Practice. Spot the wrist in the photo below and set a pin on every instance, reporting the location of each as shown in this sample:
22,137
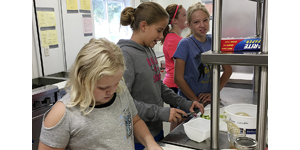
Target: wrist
149,141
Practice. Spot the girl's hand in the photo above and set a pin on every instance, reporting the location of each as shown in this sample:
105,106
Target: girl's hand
204,97
196,104
175,115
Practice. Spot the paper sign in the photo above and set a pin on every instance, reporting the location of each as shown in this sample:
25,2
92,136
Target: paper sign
46,19
49,37
72,5
87,25
85,4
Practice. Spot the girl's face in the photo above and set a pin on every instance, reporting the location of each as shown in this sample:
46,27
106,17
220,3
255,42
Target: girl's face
199,25
106,87
154,32
182,18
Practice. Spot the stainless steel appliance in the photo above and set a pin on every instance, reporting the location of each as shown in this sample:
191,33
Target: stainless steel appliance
44,96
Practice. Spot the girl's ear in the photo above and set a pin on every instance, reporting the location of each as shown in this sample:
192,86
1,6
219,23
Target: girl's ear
143,25
174,20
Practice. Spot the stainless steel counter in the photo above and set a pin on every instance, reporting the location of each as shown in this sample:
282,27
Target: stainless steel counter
230,94
178,137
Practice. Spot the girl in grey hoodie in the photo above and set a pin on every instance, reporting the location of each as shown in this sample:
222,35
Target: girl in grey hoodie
142,75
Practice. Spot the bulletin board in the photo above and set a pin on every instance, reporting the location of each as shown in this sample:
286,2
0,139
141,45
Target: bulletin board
63,28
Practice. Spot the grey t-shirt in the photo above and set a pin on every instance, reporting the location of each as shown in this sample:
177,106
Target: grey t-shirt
109,127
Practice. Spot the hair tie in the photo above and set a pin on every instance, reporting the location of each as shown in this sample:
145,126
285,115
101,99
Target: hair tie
175,13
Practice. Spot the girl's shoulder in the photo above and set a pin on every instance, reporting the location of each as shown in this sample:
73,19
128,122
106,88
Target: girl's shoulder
185,40
55,115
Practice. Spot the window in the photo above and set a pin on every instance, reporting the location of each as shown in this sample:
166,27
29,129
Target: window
107,19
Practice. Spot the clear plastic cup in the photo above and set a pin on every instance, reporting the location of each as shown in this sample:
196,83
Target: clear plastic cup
234,133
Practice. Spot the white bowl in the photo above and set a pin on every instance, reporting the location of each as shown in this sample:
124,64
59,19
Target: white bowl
222,123
248,123
197,129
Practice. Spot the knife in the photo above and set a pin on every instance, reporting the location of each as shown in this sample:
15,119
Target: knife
196,111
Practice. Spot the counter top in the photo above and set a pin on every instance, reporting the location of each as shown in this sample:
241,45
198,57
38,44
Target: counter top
230,94
61,85
178,137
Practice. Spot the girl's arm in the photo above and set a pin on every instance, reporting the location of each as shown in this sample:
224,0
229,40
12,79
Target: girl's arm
42,146
179,79
227,71
143,135
55,115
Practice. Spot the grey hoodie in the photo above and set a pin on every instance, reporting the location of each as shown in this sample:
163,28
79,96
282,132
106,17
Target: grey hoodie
143,80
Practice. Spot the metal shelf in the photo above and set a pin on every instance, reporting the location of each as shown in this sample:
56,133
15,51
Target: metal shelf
252,59
244,58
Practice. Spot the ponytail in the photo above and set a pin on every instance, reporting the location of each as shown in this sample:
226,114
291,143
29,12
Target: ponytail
150,12
127,17
166,31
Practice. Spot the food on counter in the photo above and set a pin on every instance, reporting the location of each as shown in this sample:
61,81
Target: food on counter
242,114
208,117
205,116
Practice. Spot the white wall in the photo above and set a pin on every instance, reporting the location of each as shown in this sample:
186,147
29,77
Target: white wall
74,38
35,63
71,39
55,61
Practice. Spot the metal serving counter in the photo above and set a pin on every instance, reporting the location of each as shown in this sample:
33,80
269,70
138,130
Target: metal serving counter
178,137
231,94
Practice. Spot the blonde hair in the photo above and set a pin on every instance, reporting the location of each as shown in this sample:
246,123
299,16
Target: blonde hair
192,9
96,59
150,12
171,11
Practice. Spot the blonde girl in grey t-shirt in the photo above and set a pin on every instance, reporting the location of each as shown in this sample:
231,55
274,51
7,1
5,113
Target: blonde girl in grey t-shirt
98,111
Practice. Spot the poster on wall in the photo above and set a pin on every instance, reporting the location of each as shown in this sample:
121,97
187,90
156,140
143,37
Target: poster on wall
47,25
85,6
46,17
49,38
87,25
72,6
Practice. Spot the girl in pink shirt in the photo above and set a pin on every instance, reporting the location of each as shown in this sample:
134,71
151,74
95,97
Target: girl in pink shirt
177,20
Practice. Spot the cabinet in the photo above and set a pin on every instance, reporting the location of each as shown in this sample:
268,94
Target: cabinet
260,59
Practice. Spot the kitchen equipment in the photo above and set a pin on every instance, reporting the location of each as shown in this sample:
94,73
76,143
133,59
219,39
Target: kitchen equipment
234,134
63,74
44,96
246,123
245,143
197,129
